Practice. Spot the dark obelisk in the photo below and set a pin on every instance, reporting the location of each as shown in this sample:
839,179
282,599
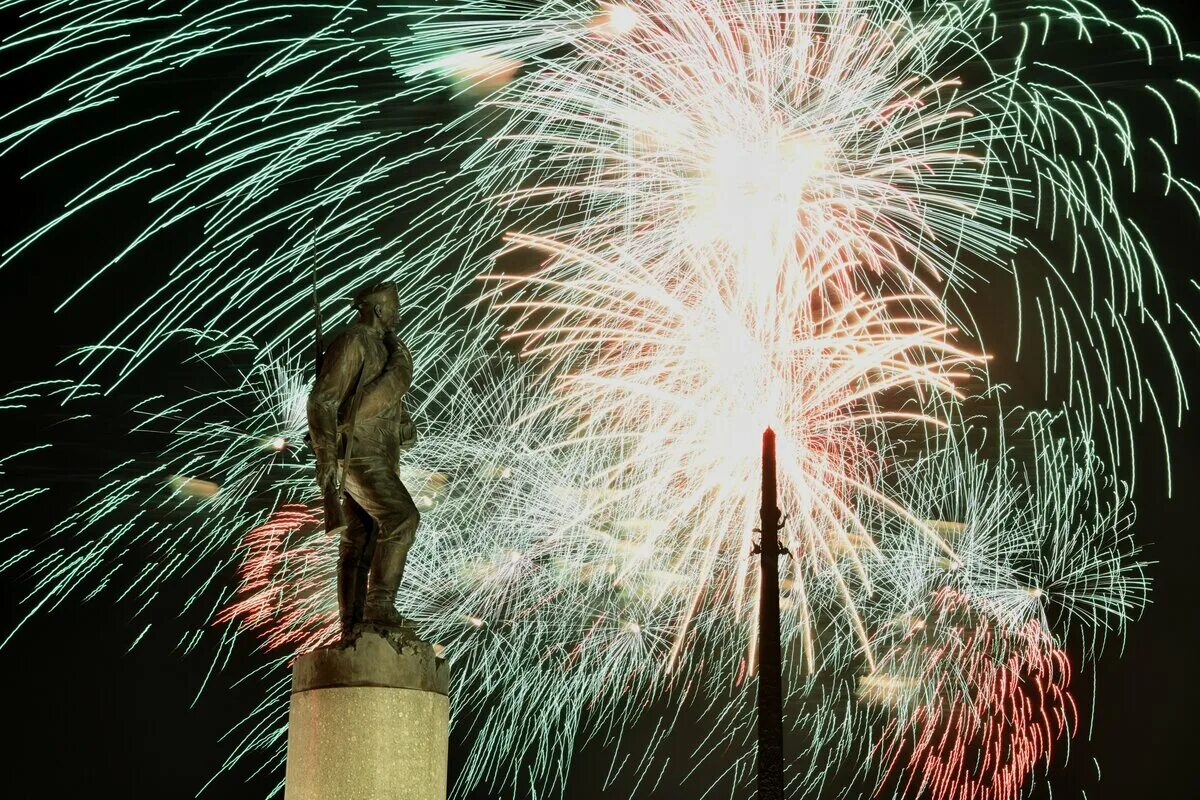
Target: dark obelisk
770,666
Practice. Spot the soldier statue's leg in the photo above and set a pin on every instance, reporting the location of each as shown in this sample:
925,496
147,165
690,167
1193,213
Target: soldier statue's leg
364,567
355,553
380,492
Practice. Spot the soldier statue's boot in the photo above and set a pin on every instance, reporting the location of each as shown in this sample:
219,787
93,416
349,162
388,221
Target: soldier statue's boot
360,583
387,569
349,588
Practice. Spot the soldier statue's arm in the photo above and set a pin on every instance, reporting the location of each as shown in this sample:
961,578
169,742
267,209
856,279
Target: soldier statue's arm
339,377
392,383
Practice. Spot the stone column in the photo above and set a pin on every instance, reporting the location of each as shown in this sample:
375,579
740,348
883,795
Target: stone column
369,720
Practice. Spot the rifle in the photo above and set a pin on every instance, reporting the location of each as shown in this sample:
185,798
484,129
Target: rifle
333,504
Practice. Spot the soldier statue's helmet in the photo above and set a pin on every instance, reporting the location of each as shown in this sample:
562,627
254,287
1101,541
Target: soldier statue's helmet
376,293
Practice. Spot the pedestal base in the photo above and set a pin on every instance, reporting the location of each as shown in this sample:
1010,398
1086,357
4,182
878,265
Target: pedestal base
369,720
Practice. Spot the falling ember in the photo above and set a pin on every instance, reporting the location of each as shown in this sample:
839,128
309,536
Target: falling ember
946,528
882,689
477,72
194,487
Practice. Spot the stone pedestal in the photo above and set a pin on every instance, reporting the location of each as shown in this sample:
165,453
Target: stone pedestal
369,720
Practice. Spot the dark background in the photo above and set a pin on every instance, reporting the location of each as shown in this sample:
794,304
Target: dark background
87,716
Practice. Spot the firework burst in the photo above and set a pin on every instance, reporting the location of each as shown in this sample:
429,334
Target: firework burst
979,739
690,220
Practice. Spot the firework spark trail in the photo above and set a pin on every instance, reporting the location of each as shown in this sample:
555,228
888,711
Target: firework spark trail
877,134
979,742
852,120
742,212
1035,534
1024,524
589,612
260,605
246,434
670,377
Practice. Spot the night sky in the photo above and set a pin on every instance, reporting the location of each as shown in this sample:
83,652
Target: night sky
87,716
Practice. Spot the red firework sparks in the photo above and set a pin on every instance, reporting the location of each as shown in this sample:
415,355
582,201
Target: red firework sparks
991,719
296,612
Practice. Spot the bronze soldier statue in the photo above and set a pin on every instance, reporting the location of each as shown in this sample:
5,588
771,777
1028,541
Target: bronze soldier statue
358,426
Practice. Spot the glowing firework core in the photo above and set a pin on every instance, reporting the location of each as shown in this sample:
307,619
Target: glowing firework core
616,19
753,188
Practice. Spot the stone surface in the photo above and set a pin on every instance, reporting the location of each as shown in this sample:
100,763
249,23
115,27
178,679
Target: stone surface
369,720
391,657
